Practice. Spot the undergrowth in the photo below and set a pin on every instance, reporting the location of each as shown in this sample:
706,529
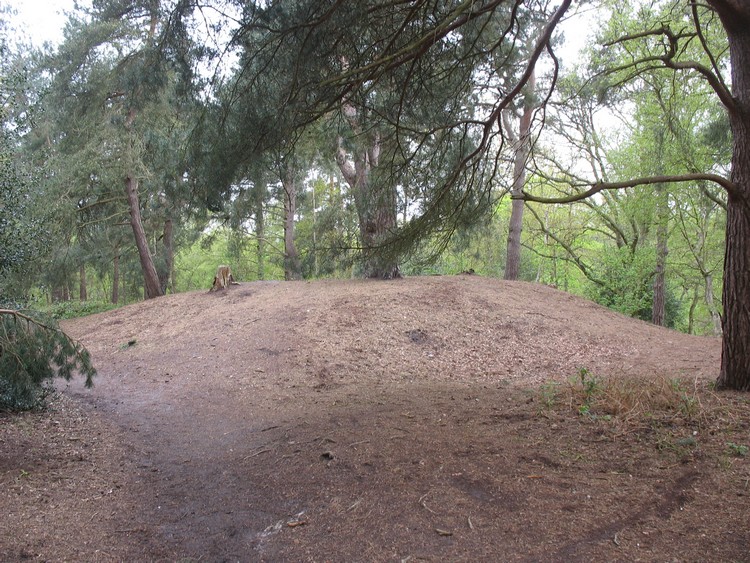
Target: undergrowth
680,417
74,309
626,398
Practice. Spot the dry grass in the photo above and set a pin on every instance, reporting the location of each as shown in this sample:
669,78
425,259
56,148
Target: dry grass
632,399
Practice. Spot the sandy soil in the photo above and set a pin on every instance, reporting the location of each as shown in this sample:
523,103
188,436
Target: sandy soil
424,419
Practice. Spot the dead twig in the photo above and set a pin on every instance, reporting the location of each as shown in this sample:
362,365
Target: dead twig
423,504
254,454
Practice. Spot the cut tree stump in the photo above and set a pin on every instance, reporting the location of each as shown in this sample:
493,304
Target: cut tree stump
223,279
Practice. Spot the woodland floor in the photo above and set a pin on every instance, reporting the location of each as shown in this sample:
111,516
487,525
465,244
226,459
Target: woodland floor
424,419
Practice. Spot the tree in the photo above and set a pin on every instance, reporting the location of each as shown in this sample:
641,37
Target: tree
32,350
117,129
522,143
400,88
735,357
667,54
382,58
531,22
290,186
23,232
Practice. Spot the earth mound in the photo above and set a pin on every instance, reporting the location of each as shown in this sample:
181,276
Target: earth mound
417,419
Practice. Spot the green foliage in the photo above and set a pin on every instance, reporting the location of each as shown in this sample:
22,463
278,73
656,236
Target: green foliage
199,160
74,309
549,394
738,450
687,402
22,234
589,388
628,284
33,351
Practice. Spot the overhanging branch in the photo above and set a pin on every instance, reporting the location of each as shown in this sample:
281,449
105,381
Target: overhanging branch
729,186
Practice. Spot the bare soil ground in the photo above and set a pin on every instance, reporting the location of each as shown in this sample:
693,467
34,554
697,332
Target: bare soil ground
425,419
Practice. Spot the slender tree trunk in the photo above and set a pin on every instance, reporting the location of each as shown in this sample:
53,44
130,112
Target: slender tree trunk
167,262
260,228
150,277
116,278
658,308
316,266
82,289
522,142
735,354
709,297
124,288
292,266
691,312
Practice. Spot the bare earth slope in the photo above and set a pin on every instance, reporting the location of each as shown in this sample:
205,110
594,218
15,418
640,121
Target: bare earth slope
373,421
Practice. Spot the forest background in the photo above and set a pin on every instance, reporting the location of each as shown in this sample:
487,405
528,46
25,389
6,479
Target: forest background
158,140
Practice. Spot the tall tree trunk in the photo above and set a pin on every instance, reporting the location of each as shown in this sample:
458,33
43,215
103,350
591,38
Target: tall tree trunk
150,277
376,209
658,308
316,266
513,249
61,293
292,266
260,228
375,201
377,220
709,293
167,261
116,278
82,289
735,353
522,142
691,312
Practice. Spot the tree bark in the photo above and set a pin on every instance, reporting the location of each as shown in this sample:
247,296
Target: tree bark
165,272
260,227
735,354
292,266
691,312
658,307
709,295
150,276
375,201
82,289
116,279
522,142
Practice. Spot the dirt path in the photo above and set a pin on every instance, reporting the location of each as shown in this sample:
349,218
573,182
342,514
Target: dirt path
374,421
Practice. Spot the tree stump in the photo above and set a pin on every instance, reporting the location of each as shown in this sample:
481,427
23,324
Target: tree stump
223,279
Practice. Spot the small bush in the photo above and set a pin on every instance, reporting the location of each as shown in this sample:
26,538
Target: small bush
738,450
33,351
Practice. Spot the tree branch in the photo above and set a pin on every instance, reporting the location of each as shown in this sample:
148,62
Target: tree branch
729,186
714,79
575,259
704,44
28,319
